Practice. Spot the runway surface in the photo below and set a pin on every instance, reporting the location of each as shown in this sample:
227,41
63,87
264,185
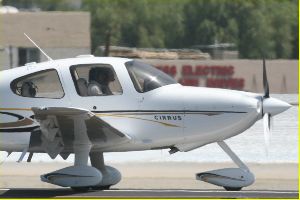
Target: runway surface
126,193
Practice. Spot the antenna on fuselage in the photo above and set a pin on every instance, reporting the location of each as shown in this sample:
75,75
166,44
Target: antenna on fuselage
48,57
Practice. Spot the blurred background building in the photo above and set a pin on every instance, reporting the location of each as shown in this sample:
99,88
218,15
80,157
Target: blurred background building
59,34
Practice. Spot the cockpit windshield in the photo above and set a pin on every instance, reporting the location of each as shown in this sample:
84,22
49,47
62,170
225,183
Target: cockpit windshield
146,78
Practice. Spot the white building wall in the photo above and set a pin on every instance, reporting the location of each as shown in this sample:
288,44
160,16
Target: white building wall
54,53
60,53
5,60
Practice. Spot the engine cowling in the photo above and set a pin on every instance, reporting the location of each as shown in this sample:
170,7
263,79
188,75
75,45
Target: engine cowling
227,177
74,176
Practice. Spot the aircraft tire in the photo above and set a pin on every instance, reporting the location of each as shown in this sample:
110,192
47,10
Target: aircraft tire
80,189
233,188
104,187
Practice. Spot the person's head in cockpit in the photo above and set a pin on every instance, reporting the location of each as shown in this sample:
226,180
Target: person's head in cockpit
103,76
99,79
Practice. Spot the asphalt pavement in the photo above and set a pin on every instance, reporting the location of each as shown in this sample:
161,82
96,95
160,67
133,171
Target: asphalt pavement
136,193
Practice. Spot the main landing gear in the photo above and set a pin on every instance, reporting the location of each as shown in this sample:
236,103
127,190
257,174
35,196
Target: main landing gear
82,177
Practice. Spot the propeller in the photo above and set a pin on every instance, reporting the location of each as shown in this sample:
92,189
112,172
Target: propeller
266,116
270,108
267,131
265,80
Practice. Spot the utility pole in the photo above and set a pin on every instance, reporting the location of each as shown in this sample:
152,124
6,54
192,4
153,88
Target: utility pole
10,56
107,42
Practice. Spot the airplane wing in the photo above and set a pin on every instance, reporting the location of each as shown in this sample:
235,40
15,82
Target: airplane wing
63,129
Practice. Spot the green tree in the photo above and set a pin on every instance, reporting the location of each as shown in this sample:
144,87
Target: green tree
209,21
254,31
257,27
139,23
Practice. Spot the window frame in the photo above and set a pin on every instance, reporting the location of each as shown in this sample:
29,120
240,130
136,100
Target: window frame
72,70
14,83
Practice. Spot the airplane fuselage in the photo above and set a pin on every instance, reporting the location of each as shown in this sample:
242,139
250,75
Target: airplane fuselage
169,116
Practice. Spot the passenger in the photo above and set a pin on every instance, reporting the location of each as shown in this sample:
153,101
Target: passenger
82,87
99,79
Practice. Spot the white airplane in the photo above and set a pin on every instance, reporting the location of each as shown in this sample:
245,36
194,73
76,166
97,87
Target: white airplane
89,105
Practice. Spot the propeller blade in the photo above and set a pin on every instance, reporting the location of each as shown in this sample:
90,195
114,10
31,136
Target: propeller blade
267,131
265,80
271,126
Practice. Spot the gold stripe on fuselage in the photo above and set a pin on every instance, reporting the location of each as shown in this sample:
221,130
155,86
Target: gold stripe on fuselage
20,123
166,113
132,117
23,109
123,115
133,114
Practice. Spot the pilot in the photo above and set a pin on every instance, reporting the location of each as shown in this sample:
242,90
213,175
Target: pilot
28,89
99,79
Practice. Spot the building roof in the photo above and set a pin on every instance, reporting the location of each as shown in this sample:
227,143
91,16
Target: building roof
154,53
47,29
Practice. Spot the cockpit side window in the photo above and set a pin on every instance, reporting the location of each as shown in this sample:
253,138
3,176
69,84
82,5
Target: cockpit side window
95,80
42,84
146,78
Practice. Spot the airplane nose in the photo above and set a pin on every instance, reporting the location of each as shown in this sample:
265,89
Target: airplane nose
274,106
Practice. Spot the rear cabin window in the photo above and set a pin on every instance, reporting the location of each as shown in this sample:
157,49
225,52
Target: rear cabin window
43,84
95,80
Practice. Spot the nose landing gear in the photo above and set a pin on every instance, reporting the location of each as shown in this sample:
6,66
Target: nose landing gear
231,179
